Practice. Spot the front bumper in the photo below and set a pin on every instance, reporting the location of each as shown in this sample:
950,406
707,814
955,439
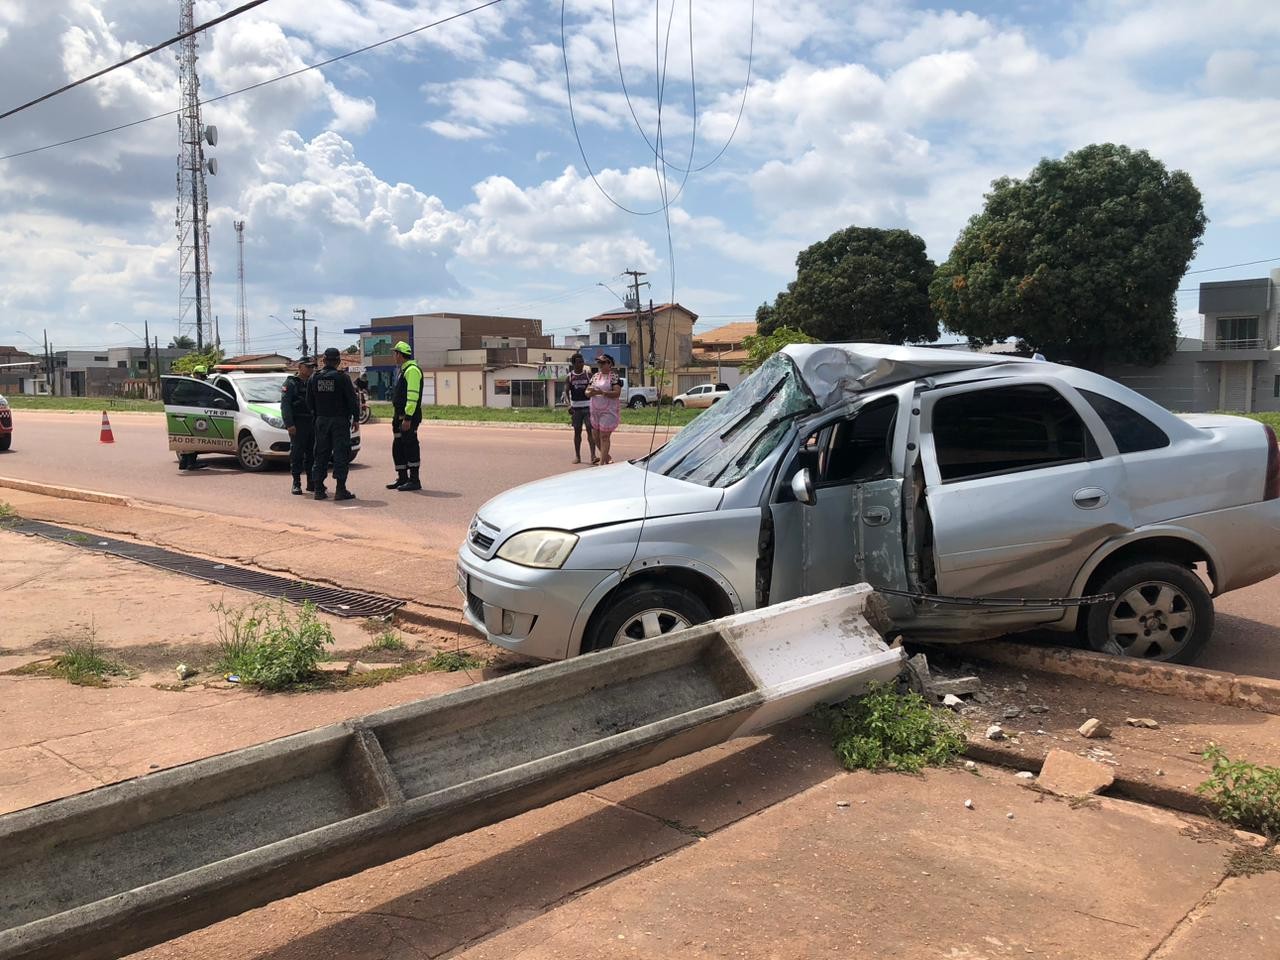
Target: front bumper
531,612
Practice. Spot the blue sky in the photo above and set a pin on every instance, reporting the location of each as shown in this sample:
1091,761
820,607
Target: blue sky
441,172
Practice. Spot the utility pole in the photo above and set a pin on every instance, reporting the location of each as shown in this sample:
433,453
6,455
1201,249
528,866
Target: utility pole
48,363
300,313
315,341
159,392
242,317
146,349
633,303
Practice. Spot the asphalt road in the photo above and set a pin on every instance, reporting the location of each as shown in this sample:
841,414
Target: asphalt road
462,468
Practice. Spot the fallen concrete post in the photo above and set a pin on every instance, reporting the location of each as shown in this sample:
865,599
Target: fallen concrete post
112,871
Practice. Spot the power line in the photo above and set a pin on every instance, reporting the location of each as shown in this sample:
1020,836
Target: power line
1248,263
261,83
243,8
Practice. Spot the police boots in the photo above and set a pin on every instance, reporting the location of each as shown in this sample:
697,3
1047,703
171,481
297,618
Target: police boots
342,493
297,487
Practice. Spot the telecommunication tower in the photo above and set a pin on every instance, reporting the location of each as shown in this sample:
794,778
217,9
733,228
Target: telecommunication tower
193,201
242,318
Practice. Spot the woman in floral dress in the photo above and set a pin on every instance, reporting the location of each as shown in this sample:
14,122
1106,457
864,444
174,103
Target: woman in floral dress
605,391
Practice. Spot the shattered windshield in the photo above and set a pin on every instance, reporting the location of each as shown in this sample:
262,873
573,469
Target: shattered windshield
262,389
724,444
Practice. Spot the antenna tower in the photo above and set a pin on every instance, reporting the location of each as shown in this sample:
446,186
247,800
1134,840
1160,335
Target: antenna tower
193,201
242,319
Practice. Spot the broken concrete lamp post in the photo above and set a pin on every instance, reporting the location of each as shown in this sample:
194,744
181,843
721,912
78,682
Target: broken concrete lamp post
112,871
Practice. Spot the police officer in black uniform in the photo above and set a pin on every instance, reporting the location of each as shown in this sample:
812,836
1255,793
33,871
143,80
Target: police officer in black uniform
333,400
301,424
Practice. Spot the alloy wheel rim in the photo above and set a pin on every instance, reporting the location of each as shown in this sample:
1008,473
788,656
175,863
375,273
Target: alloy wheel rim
250,453
650,623
1153,620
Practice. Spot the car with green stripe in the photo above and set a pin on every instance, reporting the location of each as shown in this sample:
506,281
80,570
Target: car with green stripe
235,413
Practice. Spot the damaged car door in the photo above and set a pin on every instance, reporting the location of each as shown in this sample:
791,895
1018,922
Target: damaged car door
1022,484
837,505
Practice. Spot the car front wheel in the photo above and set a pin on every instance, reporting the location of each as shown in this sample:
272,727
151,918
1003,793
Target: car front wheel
250,454
1161,611
637,402
643,611
678,403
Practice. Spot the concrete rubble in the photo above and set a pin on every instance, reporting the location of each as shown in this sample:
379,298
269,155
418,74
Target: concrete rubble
1094,729
1068,775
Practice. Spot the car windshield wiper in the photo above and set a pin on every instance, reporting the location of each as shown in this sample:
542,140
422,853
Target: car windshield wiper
742,459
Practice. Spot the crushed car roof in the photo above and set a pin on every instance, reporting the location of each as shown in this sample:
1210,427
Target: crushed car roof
830,368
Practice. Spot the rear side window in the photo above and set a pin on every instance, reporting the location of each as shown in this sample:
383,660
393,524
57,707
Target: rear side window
1005,430
1131,431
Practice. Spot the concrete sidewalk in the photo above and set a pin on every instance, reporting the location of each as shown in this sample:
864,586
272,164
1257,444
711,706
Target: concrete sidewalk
764,848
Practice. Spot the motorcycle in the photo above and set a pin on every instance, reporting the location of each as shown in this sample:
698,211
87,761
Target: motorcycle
366,414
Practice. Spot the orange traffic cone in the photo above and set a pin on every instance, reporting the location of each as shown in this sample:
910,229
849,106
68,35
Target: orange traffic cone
105,436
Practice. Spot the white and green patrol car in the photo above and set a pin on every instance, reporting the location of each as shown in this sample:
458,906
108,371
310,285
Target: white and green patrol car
235,413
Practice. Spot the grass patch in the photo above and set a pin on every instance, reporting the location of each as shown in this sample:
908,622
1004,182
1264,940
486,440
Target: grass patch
641,417
270,646
888,730
7,512
1247,794
20,402
451,661
76,538
387,640
85,664
1272,420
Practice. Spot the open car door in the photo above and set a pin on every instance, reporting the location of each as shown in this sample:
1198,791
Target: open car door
200,418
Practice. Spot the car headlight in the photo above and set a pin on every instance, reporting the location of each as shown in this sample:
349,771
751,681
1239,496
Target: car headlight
272,421
546,549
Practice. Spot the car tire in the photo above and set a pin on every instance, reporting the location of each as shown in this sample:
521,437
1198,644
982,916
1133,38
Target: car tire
250,454
678,403
637,402
643,610
1162,611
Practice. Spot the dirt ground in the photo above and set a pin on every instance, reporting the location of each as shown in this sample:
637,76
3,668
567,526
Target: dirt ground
56,596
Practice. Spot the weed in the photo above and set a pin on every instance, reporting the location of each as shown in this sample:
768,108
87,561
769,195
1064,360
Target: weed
1247,794
7,512
887,730
387,640
85,664
451,661
270,648
76,538
375,625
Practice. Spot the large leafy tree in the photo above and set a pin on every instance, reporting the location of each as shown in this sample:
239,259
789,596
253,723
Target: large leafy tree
861,283
1080,261
761,346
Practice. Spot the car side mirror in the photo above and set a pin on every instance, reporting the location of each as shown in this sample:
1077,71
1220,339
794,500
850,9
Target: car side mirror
802,487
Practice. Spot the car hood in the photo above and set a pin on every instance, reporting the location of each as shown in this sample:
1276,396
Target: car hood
594,498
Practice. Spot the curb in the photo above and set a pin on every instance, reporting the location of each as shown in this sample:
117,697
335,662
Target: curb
65,493
1130,788
1190,683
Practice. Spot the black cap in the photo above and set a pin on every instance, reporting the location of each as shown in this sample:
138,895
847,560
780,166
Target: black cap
331,353
306,361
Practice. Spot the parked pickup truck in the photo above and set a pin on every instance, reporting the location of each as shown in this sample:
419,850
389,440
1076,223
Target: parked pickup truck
980,494
638,396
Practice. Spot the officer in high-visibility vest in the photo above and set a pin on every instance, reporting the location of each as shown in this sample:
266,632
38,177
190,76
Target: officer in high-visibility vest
406,401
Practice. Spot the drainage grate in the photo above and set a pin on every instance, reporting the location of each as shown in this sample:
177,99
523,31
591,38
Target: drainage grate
342,603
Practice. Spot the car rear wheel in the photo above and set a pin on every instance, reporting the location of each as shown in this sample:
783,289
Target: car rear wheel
250,454
637,402
643,611
678,403
1161,611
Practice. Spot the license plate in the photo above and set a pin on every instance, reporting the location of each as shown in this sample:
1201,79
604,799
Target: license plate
464,583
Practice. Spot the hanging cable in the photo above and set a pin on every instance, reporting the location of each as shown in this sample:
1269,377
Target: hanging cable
261,83
230,14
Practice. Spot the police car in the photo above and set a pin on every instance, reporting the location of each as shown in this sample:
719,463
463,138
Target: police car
235,412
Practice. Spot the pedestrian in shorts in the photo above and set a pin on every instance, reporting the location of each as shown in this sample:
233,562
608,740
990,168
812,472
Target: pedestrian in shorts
575,392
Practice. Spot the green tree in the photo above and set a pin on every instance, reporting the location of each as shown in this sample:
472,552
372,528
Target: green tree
206,359
761,346
182,342
353,348
861,283
1080,261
